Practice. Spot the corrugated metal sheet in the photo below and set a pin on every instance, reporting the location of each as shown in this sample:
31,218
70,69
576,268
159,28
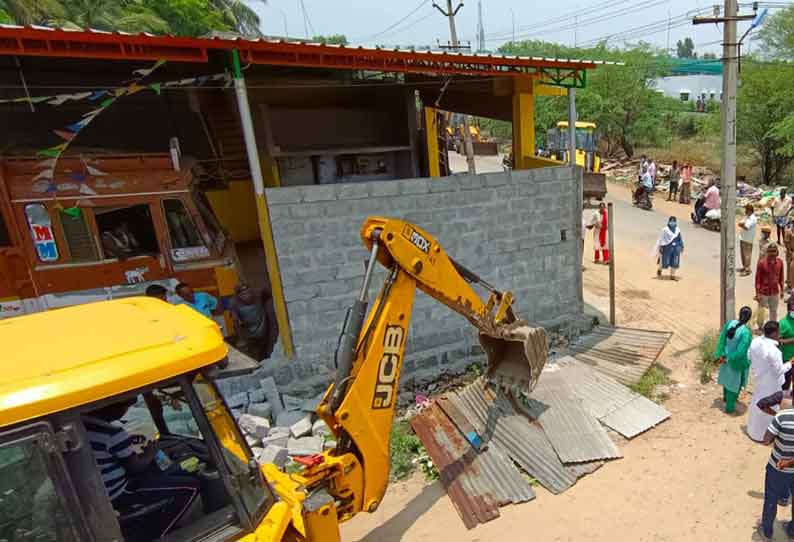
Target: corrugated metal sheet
625,354
575,434
477,483
612,403
497,421
222,40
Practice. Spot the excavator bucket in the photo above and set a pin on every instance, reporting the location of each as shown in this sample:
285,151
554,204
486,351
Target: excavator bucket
516,354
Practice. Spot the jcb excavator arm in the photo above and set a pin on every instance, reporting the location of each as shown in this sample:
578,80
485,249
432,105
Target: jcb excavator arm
359,406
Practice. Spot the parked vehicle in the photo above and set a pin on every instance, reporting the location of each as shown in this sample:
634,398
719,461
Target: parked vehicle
106,227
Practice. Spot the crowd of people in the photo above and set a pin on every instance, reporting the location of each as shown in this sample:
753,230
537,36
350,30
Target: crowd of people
256,329
680,179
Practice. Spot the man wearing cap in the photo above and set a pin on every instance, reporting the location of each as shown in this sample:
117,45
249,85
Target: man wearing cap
765,240
768,285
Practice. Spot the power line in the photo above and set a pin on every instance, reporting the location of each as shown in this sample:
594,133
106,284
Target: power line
597,19
392,26
566,17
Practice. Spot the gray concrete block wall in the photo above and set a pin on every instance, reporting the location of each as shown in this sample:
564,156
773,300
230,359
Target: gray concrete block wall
507,227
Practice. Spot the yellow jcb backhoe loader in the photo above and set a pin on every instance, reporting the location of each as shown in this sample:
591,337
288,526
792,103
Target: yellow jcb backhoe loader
71,375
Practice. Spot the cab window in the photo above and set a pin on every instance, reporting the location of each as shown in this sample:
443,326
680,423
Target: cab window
186,241
126,232
36,499
254,492
41,232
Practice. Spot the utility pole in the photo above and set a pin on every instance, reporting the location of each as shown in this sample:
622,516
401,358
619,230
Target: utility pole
575,30
730,57
480,29
453,35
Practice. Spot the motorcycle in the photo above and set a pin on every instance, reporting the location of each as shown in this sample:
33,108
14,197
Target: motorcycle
712,220
643,199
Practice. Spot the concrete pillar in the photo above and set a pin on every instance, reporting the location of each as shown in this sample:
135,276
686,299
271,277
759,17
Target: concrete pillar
523,123
431,134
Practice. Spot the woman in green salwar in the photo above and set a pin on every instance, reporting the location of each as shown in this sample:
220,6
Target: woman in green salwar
732,352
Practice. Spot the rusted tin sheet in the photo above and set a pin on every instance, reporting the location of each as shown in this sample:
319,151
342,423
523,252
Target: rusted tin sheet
624,354
477,483
612,403
576,435
503,476
497,421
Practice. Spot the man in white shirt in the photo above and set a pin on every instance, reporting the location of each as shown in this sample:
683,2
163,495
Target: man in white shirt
766,363
747,237
652,170
781,206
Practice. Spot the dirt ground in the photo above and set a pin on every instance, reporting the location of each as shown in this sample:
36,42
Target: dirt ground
696,477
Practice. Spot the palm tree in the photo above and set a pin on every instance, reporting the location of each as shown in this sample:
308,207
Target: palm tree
27,12
239,15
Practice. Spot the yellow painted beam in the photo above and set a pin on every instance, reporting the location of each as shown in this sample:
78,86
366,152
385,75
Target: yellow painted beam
270,172
523,123
431,134
549,90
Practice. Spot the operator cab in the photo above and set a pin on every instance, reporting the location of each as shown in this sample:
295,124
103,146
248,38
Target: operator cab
111,428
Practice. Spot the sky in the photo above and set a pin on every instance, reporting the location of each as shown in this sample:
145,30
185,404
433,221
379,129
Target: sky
415,22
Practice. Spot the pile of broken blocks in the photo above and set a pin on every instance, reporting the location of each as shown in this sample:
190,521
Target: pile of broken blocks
278,426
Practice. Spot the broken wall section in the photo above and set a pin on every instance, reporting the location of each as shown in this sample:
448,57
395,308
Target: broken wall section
519,230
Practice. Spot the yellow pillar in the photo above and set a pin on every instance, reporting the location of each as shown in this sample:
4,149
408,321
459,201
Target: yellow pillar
523,123
431,133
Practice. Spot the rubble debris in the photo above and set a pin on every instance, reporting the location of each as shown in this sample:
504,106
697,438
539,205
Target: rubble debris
305,446
277,455
254,425
320,429
302,427
329,445
236,413
262,410
253,442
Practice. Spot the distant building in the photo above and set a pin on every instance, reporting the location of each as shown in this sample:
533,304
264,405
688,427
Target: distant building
688,88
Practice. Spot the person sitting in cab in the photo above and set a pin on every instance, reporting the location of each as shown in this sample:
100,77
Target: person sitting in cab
134,480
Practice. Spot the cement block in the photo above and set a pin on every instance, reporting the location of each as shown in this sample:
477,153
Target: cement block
291,402
302,427
320,429
387,188
253,441
329,445
289,417
277,455
272,395
257,450
262,410
256,395
254,425
238,400
237,412
275,440
310,405
305,446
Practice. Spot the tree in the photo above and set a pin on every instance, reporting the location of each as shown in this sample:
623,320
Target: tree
182,17
764,117
27,12
333,39
686,48
777,35
709,56
188,17
620,99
